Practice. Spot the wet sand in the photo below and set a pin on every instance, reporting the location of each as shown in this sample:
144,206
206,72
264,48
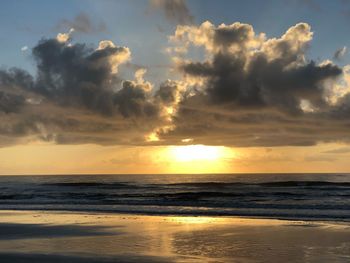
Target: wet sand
38,236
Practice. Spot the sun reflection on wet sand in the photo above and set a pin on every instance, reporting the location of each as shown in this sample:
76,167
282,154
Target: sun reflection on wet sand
170,238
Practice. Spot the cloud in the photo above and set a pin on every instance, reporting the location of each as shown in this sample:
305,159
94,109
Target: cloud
319,159
339,150
246,90
64,37
134,98
78,75
246,70
174,10
340,53
250,90
10,102
81,23
24,48
78,96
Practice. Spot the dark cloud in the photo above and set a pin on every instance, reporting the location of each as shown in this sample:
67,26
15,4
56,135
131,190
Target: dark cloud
74,81
254,128
236,34
174,10
77,74
16,77
81,23
10,102
11,95
273,77
168,92
247,91
340,111
339,150
132,101
253,91
340,53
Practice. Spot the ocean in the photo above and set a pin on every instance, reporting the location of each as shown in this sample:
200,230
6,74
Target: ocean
282,196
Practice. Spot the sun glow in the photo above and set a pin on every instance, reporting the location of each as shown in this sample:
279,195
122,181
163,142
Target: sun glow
196,152
200,158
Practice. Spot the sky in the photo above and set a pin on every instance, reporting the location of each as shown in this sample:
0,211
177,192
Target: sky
174,86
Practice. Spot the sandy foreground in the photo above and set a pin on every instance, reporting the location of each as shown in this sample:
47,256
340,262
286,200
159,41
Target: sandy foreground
37,236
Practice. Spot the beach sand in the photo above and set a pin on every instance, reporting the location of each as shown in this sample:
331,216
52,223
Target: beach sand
38,236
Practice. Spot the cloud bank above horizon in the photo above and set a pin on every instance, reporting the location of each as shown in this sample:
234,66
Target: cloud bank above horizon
244,89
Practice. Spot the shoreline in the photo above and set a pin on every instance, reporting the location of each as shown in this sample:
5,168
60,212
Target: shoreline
325,219
55,236
168,215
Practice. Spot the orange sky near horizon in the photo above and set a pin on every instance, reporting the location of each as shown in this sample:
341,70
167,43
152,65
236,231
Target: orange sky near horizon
45,158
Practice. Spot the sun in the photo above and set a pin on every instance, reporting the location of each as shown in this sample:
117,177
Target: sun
199,158
197,152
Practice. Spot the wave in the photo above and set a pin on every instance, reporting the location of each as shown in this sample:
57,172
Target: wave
266,184
313,196
89,184
304,183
